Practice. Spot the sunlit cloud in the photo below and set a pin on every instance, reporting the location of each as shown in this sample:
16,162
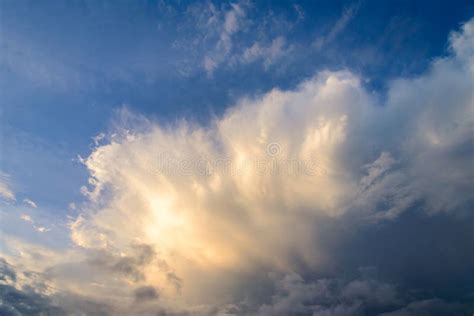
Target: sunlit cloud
234,216
223,225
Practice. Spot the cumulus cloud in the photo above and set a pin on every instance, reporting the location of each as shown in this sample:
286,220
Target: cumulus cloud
374,160
206,216
166,187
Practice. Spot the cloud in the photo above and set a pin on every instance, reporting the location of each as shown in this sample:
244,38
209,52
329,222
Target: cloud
330,297
42,229
7,273
161,185
235,216
146,293
431,307
234,35
5,188
347,15
27,218
230,24
268,53
30,203
210,199
364,295
128,266
30,298
16,302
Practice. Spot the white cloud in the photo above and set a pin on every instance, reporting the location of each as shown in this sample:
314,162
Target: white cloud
30,203
268,53
26,218
230,24
228,36
40,229
5,188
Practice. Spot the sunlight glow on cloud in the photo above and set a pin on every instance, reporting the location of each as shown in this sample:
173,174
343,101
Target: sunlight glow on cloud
372,160
187,217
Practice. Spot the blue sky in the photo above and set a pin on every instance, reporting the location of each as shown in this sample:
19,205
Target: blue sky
80,78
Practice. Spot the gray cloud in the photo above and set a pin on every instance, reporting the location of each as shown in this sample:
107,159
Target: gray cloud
7,273
145,293
16,302
28,294
130,266
431,307
361,296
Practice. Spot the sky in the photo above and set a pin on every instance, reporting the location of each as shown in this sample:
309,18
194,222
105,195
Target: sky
236,158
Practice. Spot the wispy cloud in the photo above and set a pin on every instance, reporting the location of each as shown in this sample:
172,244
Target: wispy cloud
230,25
339,26
30,203
268,53
231,36
6,191
27,218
